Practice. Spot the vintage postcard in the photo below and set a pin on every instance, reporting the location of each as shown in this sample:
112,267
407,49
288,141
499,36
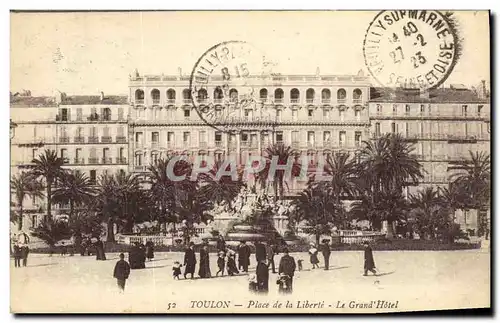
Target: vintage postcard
250,161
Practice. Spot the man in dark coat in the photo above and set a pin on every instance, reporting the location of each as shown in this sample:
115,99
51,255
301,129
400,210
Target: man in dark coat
369,262
17,255
271,250
204,271
121,272
25,250
243,256
260,252
262,277
141,258
325,250
189,261
150,250
287,267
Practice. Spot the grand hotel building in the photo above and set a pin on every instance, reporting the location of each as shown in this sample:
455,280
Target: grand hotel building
314,114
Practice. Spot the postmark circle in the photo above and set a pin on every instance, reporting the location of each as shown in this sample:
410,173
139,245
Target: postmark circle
223,84
411,49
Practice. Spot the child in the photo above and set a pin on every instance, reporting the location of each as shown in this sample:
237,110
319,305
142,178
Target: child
284,284
313,252
177,270
121,272
231,262
369,262
299,263
221,263
252,284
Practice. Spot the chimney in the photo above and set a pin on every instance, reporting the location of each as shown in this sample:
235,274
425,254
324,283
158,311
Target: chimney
180,71
483,89
102,96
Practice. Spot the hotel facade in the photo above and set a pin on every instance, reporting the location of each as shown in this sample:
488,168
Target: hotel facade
316,115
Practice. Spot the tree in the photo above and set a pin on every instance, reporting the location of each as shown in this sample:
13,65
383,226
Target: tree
52,231
49,167
75,189
218,189
316,207
387,165
430,214
474,180
120,200
282,154
21,186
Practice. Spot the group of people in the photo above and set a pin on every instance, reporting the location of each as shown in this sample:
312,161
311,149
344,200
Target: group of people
21,252
314,251
138,254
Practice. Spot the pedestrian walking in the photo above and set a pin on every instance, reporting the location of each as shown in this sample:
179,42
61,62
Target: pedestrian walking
189,261
262,272
260,252
325,250
150,250
287,268
204,271
313,253
231,262
17,255
25,250
243,256
221,263
369,262
121,272
271,251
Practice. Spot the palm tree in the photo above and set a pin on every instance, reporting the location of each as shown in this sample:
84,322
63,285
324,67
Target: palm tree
387,165
429,212
23,185
49,167
474,180
75,189
282,154
317,208
218,189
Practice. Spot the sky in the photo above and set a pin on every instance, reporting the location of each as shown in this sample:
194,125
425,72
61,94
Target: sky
85,53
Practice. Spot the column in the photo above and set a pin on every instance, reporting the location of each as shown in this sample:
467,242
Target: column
259,148
238,153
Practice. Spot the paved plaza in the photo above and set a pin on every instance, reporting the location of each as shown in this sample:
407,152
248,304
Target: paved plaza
413,279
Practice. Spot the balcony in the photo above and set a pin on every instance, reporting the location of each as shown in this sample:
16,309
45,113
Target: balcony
357,101
202,100
218,101
64,140
79,140
63,118
311,145
93,140
93,160
219,144
121,160
139,101
170,101
156,101
186,101
170,144
263,99
106,139
203,144
139,168
107,160
461,139
278,100
79,161
295,144
186,144
341,101
326,101
93,117
310,100
294,101
121,139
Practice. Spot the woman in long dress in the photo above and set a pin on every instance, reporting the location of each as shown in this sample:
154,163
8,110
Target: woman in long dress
313,252
204,271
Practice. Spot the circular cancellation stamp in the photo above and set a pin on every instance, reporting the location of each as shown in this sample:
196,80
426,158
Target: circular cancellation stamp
224,82
412,49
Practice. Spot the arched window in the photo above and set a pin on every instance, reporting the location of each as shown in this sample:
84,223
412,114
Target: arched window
278,95
171,95
310,95
155,95
218,94
186,94
233,94
139,95
294,95
356,94
263,95
341,94
202,95
326,96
